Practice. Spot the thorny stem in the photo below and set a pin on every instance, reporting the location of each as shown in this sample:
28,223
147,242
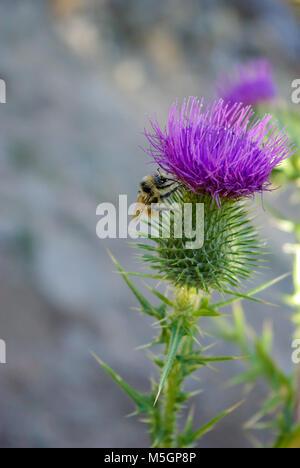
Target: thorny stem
185,302
172,392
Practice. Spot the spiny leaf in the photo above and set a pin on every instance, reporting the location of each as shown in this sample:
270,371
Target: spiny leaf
270,405
242,296
143,275
271,369
194,358
220,358
177,334
188,429
148,345
206,309
207,312
188,395
245,377
143,402
267,337
251,293
241,331
291,441
269,284
161,297
146,306
189,437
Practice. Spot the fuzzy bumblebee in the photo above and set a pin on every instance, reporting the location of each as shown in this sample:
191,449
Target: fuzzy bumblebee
154,189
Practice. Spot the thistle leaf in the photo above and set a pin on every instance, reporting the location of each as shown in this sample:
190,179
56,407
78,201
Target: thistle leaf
241,296
207,312
147,307
188,429
220,358
291,441
161,297
194,358
143,402
246,377
251,293
188,395
271,370
270,405
143,275
189,437
178,332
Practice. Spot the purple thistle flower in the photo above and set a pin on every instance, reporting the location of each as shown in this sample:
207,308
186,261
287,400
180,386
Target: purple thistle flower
251,84
218,149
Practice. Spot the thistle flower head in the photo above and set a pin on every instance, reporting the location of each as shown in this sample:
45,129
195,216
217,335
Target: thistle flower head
218,149
251,84
216,152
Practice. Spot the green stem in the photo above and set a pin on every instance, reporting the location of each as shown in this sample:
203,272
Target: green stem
172,392
184,306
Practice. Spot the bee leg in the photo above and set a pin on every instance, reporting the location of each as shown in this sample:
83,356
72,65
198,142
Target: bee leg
166,195
167,186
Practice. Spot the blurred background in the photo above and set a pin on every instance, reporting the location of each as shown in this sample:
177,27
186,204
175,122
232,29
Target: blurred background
81,77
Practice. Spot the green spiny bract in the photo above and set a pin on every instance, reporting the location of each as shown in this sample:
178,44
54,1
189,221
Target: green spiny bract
231,249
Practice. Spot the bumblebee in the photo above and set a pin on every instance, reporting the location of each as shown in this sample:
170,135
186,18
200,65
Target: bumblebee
154,189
